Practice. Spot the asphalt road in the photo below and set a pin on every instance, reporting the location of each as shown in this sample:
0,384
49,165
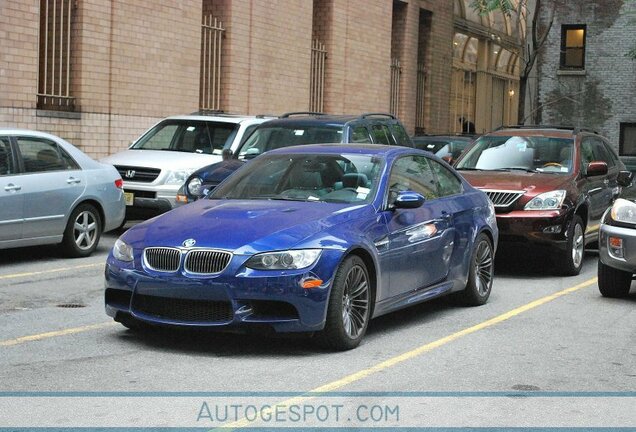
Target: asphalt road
537,333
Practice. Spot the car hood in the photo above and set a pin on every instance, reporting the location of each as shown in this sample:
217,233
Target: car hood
241,226
532,183
161,159
217,172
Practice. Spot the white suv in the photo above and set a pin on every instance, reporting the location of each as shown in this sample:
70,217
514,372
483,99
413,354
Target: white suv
159,162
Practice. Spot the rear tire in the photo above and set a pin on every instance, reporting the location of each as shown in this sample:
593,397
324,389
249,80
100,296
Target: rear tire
613,282
480,273
83,231
571,259
349,308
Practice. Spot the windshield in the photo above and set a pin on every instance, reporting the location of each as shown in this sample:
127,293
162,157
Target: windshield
267,138
188,136
528,153
346,178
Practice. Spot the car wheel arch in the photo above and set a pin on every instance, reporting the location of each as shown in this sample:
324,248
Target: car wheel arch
95,204
370,263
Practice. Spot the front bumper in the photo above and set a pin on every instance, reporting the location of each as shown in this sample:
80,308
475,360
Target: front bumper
536,227
237,297
628,237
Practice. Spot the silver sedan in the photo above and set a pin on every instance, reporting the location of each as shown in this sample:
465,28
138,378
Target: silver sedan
51,192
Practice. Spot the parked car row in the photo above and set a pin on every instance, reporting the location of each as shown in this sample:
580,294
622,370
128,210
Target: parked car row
316,223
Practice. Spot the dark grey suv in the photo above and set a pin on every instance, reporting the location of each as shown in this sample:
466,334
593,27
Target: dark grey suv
298,128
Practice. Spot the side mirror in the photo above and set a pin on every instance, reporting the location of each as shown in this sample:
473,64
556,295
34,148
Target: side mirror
448,159
408,200
625,178
596,168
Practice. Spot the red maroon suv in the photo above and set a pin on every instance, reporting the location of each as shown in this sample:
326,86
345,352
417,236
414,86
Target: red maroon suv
550,186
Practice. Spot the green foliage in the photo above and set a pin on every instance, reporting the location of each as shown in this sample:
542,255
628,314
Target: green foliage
484,7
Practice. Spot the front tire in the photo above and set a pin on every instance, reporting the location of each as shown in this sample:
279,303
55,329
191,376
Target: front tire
480,274
349,308
613,282
82,232
572,258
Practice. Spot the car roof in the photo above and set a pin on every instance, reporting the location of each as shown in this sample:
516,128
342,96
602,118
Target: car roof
30,132
540,130
373,149
326,119
224,118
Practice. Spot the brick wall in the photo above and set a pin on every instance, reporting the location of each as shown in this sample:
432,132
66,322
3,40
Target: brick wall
605,95
134,62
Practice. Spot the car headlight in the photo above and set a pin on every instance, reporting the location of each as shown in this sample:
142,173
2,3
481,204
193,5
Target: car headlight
194,186
122,251
284,260
178,177
623,211
552,200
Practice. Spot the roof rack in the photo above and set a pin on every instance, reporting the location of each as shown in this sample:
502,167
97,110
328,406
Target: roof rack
207,112
575,130
260,116
295,113
377,114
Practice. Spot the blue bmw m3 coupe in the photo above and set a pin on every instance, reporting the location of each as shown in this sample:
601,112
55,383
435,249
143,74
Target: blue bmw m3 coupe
317,238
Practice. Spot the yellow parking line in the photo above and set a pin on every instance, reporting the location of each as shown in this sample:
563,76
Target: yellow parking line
357,376
56,333
55,270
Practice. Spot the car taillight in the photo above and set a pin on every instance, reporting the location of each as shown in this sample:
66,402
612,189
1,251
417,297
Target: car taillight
119,183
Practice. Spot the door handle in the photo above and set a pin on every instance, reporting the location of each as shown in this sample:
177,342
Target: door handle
12,188
72,180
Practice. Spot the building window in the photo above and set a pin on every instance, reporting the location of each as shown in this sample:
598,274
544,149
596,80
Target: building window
54,83
627,141
573,47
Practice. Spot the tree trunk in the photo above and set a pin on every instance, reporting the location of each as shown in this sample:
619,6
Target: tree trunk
523,84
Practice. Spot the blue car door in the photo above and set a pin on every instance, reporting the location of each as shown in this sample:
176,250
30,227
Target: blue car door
420,240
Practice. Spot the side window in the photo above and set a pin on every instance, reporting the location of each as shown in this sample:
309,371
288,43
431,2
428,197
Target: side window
6,157
359,134
379,133
601,153
415,174
248,132
587,154
400,135
448,183
40,155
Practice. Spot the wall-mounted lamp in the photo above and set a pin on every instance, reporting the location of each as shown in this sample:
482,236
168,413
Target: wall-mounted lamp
511,92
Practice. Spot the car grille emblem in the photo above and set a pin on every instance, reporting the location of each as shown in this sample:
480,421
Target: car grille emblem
130,173
189,243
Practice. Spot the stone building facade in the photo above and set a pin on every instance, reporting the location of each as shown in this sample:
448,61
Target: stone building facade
100,72
585,78
127,64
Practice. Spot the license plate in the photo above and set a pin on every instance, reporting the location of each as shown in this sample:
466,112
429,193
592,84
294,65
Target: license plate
129,197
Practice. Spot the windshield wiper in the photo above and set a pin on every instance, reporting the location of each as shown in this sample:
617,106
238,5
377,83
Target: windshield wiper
516,169
468,169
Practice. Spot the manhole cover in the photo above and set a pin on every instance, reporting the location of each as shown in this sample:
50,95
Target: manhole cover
71,305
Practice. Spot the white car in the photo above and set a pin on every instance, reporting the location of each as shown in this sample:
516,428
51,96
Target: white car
157,164
51,192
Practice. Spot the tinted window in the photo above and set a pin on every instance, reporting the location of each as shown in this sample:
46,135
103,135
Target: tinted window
269,138
40,155
6,158
448,183
189,136
400,135
380,134
413,173
601,153
360,135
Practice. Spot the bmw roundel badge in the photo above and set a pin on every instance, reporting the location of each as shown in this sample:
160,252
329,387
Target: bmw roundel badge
189,242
